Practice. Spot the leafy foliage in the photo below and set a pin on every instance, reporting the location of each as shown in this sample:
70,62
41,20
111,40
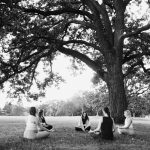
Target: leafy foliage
14,110
105,36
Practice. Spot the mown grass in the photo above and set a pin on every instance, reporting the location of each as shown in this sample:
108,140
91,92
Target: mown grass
66,138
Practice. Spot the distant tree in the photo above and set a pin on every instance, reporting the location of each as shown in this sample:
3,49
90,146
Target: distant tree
45,107
78,102
147,99
17,110
8,108
97,98
1,112
81,104
137,91
14,110
55,107
62,111
67,109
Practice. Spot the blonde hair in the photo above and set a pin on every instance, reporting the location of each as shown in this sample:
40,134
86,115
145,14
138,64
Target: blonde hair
128,112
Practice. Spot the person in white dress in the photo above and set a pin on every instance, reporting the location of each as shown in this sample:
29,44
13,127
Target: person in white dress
32,126
127,128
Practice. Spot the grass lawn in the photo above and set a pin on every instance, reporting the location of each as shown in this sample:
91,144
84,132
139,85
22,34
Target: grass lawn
66,138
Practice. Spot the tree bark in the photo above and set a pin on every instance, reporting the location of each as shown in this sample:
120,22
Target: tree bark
117,96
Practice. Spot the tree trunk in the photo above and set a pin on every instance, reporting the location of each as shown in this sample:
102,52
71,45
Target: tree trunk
117,96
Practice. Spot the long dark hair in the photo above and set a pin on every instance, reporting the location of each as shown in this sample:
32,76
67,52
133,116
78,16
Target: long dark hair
32,111
106,110
41,112
86,116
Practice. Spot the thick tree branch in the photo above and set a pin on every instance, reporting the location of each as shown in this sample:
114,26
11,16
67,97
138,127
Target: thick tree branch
107,25
82,42
135,56
20,70
62,3
84,59
58,12
34,55
138,31
99,25
119,24
106,21
33,74
108,3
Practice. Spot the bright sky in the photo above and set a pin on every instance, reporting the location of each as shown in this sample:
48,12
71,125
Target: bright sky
74,83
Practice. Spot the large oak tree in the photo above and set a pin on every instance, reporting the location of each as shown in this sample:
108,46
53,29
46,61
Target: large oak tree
104,36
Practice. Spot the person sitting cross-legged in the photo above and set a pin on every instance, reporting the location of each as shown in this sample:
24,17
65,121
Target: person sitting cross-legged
32,125
127,128
43,121
105,127
84,123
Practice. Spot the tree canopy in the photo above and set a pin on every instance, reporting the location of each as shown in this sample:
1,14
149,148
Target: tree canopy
105,36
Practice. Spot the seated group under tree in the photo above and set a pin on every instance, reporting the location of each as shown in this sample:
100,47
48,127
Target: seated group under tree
36,127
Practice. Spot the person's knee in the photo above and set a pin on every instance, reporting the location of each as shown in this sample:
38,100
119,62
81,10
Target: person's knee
47,133
42,134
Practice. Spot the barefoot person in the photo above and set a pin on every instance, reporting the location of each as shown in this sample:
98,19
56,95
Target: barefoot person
127,128
84,123
43,121
105,126
32,124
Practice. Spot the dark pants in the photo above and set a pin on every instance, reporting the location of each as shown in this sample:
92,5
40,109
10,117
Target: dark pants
80,129
101,136
49,127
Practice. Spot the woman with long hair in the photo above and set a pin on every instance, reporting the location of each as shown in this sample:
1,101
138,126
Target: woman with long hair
43,121
84,123
32,125
127,128
105,126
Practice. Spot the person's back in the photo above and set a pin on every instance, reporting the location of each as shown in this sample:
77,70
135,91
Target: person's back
107,128
32,125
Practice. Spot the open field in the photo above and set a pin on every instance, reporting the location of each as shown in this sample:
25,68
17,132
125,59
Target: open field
65,137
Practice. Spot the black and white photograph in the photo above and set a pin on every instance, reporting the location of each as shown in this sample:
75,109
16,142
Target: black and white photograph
74,74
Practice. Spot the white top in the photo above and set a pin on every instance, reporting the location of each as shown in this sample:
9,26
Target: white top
31,123
128,123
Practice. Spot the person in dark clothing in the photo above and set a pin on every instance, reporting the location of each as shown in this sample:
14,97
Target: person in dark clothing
84,123
105,126
43,121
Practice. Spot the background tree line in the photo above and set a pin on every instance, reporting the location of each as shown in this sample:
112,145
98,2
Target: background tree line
92,101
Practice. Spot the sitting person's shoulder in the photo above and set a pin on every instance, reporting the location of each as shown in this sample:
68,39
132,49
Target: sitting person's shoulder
129,118
101,118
